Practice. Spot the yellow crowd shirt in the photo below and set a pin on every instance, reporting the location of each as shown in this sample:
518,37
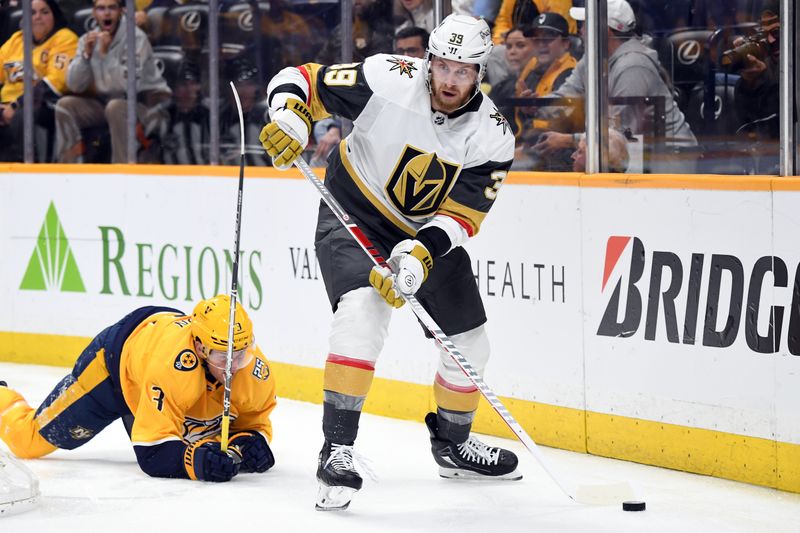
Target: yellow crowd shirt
50,61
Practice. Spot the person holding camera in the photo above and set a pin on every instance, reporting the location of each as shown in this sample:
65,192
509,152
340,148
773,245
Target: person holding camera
757,91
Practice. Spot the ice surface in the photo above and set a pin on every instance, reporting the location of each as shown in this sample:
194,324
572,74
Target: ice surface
99,487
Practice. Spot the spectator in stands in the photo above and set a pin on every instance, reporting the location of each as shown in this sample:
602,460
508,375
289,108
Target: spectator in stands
633,71
372,34
515,12
409,13
411,41
519,50
185,139
53,47
98,77
618,157
757,93
254,108
545,72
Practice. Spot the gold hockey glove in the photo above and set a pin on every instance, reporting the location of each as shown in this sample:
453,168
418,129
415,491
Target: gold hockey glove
286,136
410,262
382,280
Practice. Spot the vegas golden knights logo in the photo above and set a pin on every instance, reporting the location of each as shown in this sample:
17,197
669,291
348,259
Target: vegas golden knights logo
420,182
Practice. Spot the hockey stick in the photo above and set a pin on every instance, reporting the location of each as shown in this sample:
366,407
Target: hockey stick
226,399
587,494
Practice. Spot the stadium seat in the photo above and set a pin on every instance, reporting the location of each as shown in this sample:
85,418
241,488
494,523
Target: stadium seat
10,22
724,151
15,20
724,120
155,22
237,23
83,21
168,61
186,26
684,55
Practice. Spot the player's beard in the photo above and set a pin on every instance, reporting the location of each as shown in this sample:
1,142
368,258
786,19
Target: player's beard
447,103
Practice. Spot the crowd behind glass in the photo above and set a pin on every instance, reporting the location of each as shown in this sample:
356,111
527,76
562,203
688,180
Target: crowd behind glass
693,86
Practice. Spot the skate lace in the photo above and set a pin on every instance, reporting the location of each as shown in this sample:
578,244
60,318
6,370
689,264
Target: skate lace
474,450
344,457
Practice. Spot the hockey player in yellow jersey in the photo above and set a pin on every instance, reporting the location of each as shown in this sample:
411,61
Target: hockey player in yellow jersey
54,46
161,372
418,174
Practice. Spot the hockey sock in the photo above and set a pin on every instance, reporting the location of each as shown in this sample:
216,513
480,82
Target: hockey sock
346,383
453,426
339,425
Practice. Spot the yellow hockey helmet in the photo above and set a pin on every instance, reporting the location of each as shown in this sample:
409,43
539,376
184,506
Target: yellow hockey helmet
210,320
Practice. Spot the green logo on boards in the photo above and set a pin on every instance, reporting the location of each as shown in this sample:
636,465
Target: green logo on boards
52,265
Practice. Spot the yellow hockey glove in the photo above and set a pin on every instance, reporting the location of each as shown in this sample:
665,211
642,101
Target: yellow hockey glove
410,262
286,136
382,280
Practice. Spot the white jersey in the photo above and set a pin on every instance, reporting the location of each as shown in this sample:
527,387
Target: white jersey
404,165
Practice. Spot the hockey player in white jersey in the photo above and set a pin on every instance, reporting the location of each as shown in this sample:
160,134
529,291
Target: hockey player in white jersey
419,172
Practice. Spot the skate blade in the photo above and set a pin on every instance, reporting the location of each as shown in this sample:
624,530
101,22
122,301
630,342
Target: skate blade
458,473
334,498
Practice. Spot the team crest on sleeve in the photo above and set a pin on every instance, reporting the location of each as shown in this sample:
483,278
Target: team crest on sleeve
501,120
403,65
261,369
195,429
80,433
185,361
420,182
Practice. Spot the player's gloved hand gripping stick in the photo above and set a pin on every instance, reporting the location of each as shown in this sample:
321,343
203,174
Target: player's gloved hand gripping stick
411,261
603,494
286,135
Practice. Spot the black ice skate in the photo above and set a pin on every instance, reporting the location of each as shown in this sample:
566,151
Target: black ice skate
471,459
337,476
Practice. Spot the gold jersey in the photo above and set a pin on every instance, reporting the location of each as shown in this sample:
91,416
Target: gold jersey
172,396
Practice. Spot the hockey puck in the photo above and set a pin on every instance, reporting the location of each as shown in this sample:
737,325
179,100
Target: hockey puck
633,506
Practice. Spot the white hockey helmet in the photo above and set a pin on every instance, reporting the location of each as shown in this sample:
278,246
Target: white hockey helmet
461,38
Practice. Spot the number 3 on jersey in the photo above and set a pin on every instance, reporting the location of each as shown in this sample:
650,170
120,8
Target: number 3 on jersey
491,191
340,75
158,397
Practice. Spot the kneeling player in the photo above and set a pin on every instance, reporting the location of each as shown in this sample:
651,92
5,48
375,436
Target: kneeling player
161,371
